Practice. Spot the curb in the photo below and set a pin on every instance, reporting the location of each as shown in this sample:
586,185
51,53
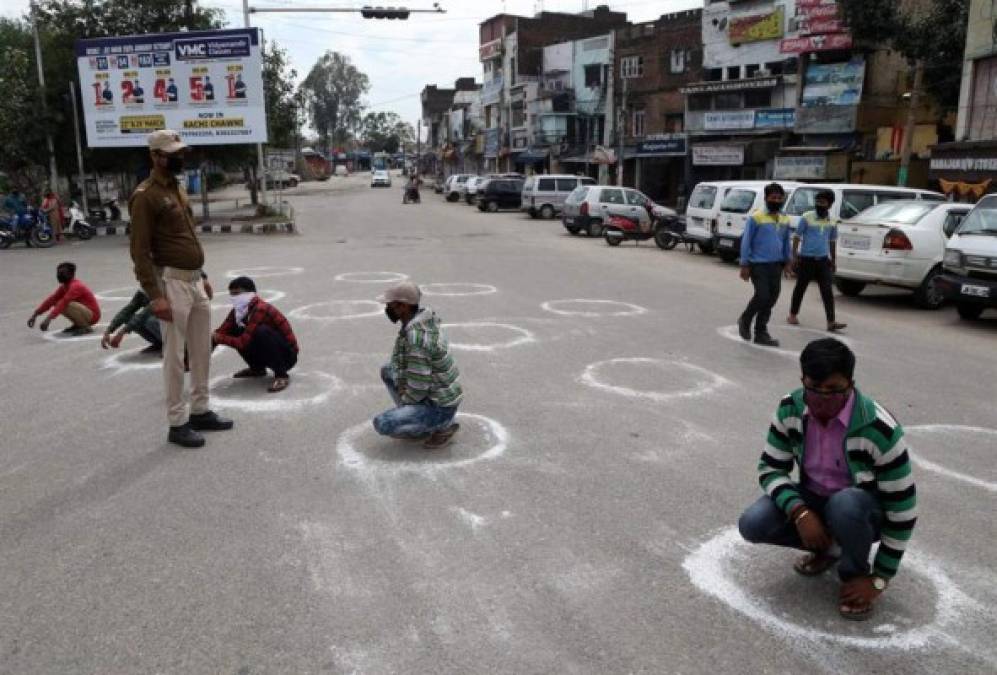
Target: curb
245,228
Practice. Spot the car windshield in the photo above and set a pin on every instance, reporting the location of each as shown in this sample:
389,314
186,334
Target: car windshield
703,197
982,219
904,212
801,201
738,201
577,195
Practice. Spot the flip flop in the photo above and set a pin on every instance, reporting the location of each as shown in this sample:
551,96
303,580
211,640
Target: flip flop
441,439
813,564
854,611
279,384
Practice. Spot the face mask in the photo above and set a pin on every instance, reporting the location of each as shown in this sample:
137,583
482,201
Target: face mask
826,406
63,278
174,163
240,303
822,211
392,314
773,206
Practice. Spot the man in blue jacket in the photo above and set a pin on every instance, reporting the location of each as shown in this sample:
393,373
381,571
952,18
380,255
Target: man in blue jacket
765,258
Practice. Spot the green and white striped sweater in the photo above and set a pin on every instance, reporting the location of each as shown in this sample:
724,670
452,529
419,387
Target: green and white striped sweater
877,458
424,368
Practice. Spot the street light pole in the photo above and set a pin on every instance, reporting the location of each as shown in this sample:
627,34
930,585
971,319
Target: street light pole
259,146
53,173
79,148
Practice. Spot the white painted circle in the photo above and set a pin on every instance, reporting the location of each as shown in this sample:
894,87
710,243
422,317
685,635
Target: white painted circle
989,485
521,336
53,334
458,289
117,294
576,308
421,462
352,310
709,568
731,333
268,294
126,361
711,382
371,277
280,402
263,272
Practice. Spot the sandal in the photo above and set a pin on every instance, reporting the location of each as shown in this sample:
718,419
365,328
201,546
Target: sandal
812,564
249,372
442,438
855,611
279,384
835,327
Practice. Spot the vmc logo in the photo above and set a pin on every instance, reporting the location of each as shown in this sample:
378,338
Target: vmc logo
192,50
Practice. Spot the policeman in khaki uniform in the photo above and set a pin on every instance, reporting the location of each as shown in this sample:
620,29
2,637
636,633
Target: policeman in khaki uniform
168,260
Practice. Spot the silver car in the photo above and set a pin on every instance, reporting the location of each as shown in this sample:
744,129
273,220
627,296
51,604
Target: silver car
453,185
380,178
588,208
544,195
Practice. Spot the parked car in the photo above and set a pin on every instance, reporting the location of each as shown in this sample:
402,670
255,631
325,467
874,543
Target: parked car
851,199
588,208
970,265
470,188
280,179
544,195
898,243
341,170
453,185
500,193
380,178
742,199
702,214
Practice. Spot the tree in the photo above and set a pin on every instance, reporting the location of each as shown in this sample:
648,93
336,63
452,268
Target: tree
333,90
386,132
21,134
283,103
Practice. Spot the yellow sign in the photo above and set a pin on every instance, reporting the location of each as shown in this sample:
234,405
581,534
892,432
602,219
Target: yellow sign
229,123
141,124
756,28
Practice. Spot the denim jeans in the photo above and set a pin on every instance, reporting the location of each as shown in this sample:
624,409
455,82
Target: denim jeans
410,420
852,517
150,332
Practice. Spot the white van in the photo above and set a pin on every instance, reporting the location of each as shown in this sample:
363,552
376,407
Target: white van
544,195
741,200
851,198
703,210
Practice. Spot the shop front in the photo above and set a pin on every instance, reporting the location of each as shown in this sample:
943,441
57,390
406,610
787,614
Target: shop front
659,167
964,171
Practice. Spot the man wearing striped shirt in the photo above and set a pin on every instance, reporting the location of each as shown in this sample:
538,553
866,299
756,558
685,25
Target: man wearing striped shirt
855,485
422,377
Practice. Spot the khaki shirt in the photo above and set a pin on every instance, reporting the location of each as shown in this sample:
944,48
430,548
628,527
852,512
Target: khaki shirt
162,231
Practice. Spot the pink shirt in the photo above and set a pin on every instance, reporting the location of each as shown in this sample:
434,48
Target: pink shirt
824,461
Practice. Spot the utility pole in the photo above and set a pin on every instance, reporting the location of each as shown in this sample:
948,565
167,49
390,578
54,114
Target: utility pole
621,130
259,146
53,175
79,147
418,146
911,126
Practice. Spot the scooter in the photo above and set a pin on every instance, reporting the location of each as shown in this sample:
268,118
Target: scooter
77,226
31,227
109,212
411,195
671,233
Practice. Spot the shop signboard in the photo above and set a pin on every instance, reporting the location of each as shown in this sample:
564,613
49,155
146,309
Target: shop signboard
721,120
491,91
663,146
490,50
776,118
491,142
816,43
826,119
730,85
833,84
206,85
824,10
810,167
756,27
718,155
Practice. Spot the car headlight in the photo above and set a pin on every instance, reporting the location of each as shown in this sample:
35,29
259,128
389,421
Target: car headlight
953,258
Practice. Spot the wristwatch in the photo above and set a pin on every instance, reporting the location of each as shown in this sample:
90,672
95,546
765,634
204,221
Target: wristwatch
879,583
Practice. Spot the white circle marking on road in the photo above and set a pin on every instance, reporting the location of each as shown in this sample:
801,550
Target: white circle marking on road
268,294
53,335
351,457
709,568
267,402
711,381
458,289
989,485
365,277
125,361
305,311
623,308
263,272
731,333
115,294
523,336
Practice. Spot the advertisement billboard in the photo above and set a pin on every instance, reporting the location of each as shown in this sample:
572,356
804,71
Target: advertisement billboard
833,84
718,155
206,85
729,119
756,27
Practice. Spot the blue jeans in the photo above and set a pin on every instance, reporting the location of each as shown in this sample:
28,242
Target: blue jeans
410,420
852,517
150,331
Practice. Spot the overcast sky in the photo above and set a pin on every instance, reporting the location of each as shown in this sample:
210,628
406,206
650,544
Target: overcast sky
399,57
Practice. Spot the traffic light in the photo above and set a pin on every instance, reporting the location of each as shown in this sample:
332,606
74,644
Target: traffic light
369,12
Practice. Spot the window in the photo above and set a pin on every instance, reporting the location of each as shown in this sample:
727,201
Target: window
703,197
758,98
738,201
774,67
801,201
611,196
635,198
733,72
906,212
929,197
674,123
631,67
638,123
889,196
714,74
727,101
699,102
751,70
546,185
952,221
528,185
680,60
853,202
512,71
585,180
593,75
566,184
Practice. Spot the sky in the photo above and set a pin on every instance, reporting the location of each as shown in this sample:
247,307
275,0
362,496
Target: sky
399,57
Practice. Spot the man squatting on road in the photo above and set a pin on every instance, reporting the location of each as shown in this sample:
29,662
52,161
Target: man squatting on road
168,262
815,257
73,300
764,259
135,317
855,485
260,333
422,377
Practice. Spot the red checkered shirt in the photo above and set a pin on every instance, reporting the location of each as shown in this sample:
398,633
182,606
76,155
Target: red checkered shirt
260,312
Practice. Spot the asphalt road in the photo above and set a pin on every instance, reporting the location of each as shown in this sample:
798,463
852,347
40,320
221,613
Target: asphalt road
581,522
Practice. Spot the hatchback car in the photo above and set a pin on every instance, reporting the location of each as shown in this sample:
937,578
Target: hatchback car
970,278
380,178
589,207
898,243
500,193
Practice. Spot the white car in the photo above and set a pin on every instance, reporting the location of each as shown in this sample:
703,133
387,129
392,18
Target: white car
898,243
380,178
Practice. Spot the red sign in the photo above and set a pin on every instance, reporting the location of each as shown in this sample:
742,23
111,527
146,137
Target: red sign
813,3
820,12
816,43
818,26
490,50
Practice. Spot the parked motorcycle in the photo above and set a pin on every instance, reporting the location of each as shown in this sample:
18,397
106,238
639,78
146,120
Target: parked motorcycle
31,227
622,228
76,225
109,212
671,233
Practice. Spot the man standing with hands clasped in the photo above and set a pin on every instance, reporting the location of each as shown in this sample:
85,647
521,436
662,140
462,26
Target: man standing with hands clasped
168,260
814,252
764,260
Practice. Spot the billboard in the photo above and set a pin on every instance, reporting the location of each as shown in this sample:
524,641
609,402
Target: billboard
756,27
206,85
833,84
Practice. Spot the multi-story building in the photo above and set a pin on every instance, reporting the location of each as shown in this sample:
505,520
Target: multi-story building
465,144
436,105
511,54
967,167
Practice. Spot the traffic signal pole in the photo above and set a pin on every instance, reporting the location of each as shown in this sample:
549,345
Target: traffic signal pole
261,170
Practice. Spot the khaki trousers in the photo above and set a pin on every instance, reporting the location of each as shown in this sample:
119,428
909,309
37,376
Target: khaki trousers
190,327
78,314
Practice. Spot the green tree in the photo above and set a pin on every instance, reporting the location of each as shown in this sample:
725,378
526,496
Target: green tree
283,102
386,132
333,91
21,134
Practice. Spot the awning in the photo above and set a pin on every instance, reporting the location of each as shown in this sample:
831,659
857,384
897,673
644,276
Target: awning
533,156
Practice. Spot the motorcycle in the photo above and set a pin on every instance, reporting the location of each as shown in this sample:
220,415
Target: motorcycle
411,195
30,227
671,233
76,225
109,212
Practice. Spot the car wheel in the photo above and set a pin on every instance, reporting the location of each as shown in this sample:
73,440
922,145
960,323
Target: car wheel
969,312
849,287
492,206
928,295
452,197
547,212
532,213
728,257
595,228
